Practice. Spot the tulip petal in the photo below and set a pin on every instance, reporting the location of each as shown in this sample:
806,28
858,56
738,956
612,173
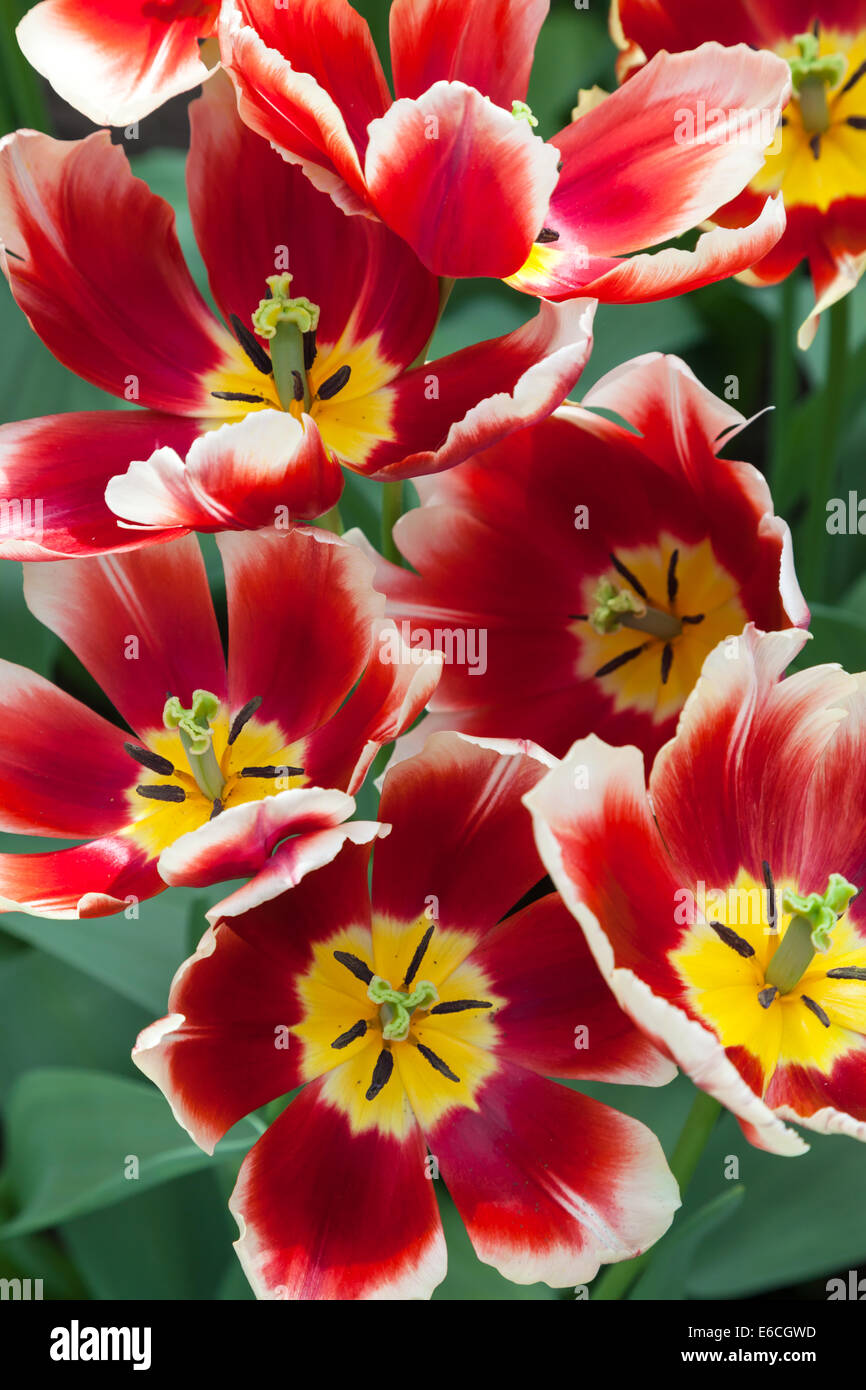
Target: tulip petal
446,410
552,1184
142,623
57,468
461,180
115,62
238,477
488,45
560,1018
98,270
63,769
92,880
325,1213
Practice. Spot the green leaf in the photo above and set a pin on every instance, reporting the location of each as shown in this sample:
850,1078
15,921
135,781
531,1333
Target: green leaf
800,1218
837,635
72,1136
53,1016
667,1274
169,1242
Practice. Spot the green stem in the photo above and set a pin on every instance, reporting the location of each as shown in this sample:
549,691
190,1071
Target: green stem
618,1279
392,510
784,382
815,533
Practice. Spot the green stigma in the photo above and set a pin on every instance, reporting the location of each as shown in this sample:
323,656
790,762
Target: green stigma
815,915
282,308
811,75
399,1005
196,735
521,112
821,910
611,605
287,321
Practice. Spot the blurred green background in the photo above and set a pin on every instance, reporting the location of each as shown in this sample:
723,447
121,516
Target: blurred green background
73,996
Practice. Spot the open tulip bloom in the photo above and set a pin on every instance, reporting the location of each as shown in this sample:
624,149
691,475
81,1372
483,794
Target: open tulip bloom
722,900
416,1014
455,167
225,761
316,370
577,574
819,159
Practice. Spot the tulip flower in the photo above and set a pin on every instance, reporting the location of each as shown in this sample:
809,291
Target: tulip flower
577,574
311,366
722,898
421,1012
455,164
819,158
224,760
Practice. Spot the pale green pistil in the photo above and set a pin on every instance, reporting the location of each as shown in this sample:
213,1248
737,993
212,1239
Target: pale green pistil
521,112
811,75
196,736
815,915
396,1006
616,608
286,320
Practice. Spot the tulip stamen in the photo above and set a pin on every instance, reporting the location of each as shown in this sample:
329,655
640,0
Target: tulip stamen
351,1035
252,347
154,762
436,1062
847,972
816,1010
247,397
272,771
418,956
358,968
456,1006
162,793
731,938
243,716
381,1073
334,383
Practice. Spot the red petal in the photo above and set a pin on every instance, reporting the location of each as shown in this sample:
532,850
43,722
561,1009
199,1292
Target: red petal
63,770
365,280
444,411
142,623
302,610
745,727
460,832
394,689
461,180
561,1019
552,1184
488,45
92,880
670,175
238,477
97,268
116,62
65,461
236,843
325,1213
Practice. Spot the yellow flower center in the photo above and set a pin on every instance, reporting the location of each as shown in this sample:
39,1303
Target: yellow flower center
395,1046
727,967
652,619
253,761
821,154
